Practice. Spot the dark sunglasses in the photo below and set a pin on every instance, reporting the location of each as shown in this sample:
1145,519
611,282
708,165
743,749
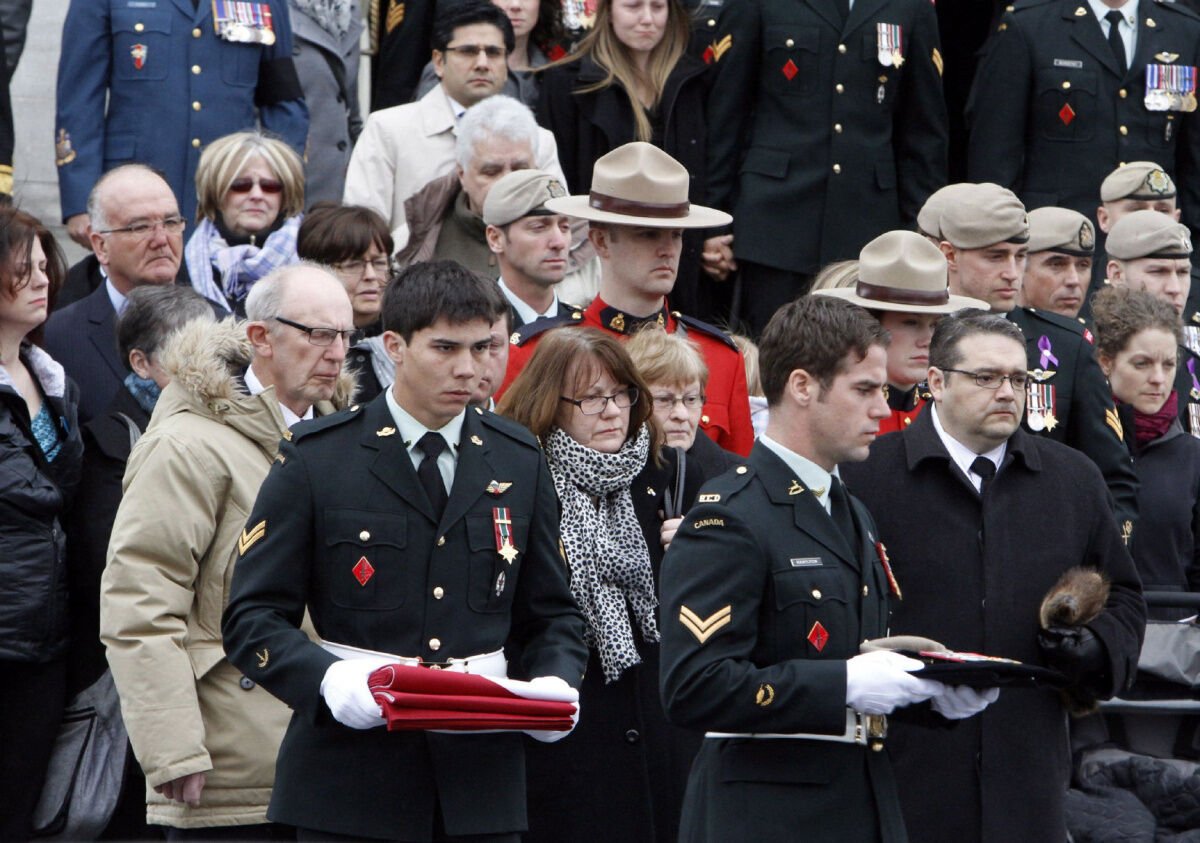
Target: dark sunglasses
265,185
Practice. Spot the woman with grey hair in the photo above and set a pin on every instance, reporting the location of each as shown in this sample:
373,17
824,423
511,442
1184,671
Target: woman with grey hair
250,201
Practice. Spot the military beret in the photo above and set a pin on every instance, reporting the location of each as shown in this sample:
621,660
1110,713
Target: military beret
1137,180
929,218
521,193
983,215
1061,230
1148,234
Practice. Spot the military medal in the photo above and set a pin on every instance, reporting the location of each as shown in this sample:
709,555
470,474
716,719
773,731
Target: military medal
887,569
502,524
138,53
1039,406
1170,87
1194,419
500,584
889,44
1195,390
243,22
1191,339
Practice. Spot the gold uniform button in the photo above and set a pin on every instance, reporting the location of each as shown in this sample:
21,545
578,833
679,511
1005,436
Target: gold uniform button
837,127
1066,85
196,33
741,469
837,168
877,747
704,419
1122,93
196,143
842,49
196,106
839,87
195,70
1124,130
441,541
816,593
712,22
435,644
439,593
138,27
365,535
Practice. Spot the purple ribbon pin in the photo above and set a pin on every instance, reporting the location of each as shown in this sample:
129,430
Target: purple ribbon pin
1047,355
1191,367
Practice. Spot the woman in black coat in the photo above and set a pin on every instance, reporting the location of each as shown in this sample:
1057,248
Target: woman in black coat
631,79
621,774
40,451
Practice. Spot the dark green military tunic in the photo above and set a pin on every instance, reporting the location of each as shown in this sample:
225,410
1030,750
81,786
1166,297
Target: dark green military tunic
343,491
763,600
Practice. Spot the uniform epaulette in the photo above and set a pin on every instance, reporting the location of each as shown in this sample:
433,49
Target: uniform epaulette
694,324
1022,5
308,428
1072,325
540,326
1176,6
506,426
726,485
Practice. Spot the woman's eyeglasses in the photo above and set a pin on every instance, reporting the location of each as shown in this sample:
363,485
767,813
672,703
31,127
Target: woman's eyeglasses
593,405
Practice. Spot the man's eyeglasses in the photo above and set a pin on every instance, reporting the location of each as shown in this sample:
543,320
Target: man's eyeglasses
691,401
358,268
245,185
319,336
594,405
992,380
470,51
142,230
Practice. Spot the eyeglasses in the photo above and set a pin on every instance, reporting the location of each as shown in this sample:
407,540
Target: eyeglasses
470,51
691,401
319,336
358,268
993,380
594,405
245,185
142,230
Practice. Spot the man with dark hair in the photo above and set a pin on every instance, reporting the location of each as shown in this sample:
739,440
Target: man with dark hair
1013,512
767,589
383,523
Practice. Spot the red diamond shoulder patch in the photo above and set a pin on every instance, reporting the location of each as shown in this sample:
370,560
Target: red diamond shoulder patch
363,570
818,636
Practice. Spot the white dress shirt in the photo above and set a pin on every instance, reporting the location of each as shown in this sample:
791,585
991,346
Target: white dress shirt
526,313
962,455
255,386
1128,25
814,478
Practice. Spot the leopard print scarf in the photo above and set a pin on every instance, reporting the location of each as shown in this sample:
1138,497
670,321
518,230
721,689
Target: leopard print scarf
606,550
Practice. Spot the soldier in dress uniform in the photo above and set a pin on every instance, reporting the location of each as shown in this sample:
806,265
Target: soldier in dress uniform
1058,271
985,233
426,532
768,588
638,209
807,190
175,75
1069,89
1149,251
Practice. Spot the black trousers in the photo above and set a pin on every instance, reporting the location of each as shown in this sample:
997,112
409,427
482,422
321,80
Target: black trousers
32,699
262,831
760,291
439,834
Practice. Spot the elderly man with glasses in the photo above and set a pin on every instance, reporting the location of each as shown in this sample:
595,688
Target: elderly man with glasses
205,735
137,239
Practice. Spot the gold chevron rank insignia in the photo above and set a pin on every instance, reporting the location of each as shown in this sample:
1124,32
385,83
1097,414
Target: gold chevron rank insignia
395,15
250,537
1114,421
705,628
937,61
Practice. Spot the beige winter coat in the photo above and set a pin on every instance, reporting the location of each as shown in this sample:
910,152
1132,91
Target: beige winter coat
189,486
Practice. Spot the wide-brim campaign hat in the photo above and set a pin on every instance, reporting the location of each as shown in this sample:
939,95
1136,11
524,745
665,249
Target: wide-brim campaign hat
901,271
639,184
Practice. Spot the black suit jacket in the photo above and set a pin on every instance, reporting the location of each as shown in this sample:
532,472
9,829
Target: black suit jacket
564,312
345,489
83,338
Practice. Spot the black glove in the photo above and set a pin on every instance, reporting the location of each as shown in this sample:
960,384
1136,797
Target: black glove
1077,653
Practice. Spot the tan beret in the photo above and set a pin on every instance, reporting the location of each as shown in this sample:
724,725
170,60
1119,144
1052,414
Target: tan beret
520,194
984,215
1061,230
1137,180
1148,234
901,271
929,218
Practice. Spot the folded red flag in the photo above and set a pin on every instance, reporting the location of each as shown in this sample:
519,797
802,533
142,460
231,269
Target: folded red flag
420,698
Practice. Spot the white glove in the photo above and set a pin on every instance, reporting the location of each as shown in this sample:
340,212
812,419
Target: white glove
878,682
958,702
556,684
347,695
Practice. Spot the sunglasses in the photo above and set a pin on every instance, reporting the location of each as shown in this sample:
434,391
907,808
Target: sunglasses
246,185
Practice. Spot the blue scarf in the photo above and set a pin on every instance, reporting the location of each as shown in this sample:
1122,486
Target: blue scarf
143,390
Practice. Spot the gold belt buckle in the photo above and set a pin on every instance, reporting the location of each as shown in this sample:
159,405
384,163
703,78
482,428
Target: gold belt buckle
877,728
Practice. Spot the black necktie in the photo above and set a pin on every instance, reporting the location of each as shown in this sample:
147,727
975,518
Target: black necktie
986,469
1114,38
431,445
839,510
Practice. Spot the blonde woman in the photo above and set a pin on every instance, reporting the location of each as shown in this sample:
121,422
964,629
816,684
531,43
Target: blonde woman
250,201
631,79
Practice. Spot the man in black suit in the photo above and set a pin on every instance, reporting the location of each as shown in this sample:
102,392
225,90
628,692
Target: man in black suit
980,519
769,587
387,524
137,238
531,244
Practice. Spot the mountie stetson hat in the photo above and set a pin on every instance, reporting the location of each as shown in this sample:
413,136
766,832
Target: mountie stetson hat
903,272
639,184
521,193
1148,234
1061,230
984,215
1143,180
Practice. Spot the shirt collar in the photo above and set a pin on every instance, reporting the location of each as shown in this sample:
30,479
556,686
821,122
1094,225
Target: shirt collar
255,387
115,296
962,455
1128,11
814,478
456,108
526,313
411,430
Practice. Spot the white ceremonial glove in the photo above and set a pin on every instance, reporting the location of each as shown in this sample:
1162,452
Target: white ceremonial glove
553,683
960,701
347,695
878,682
